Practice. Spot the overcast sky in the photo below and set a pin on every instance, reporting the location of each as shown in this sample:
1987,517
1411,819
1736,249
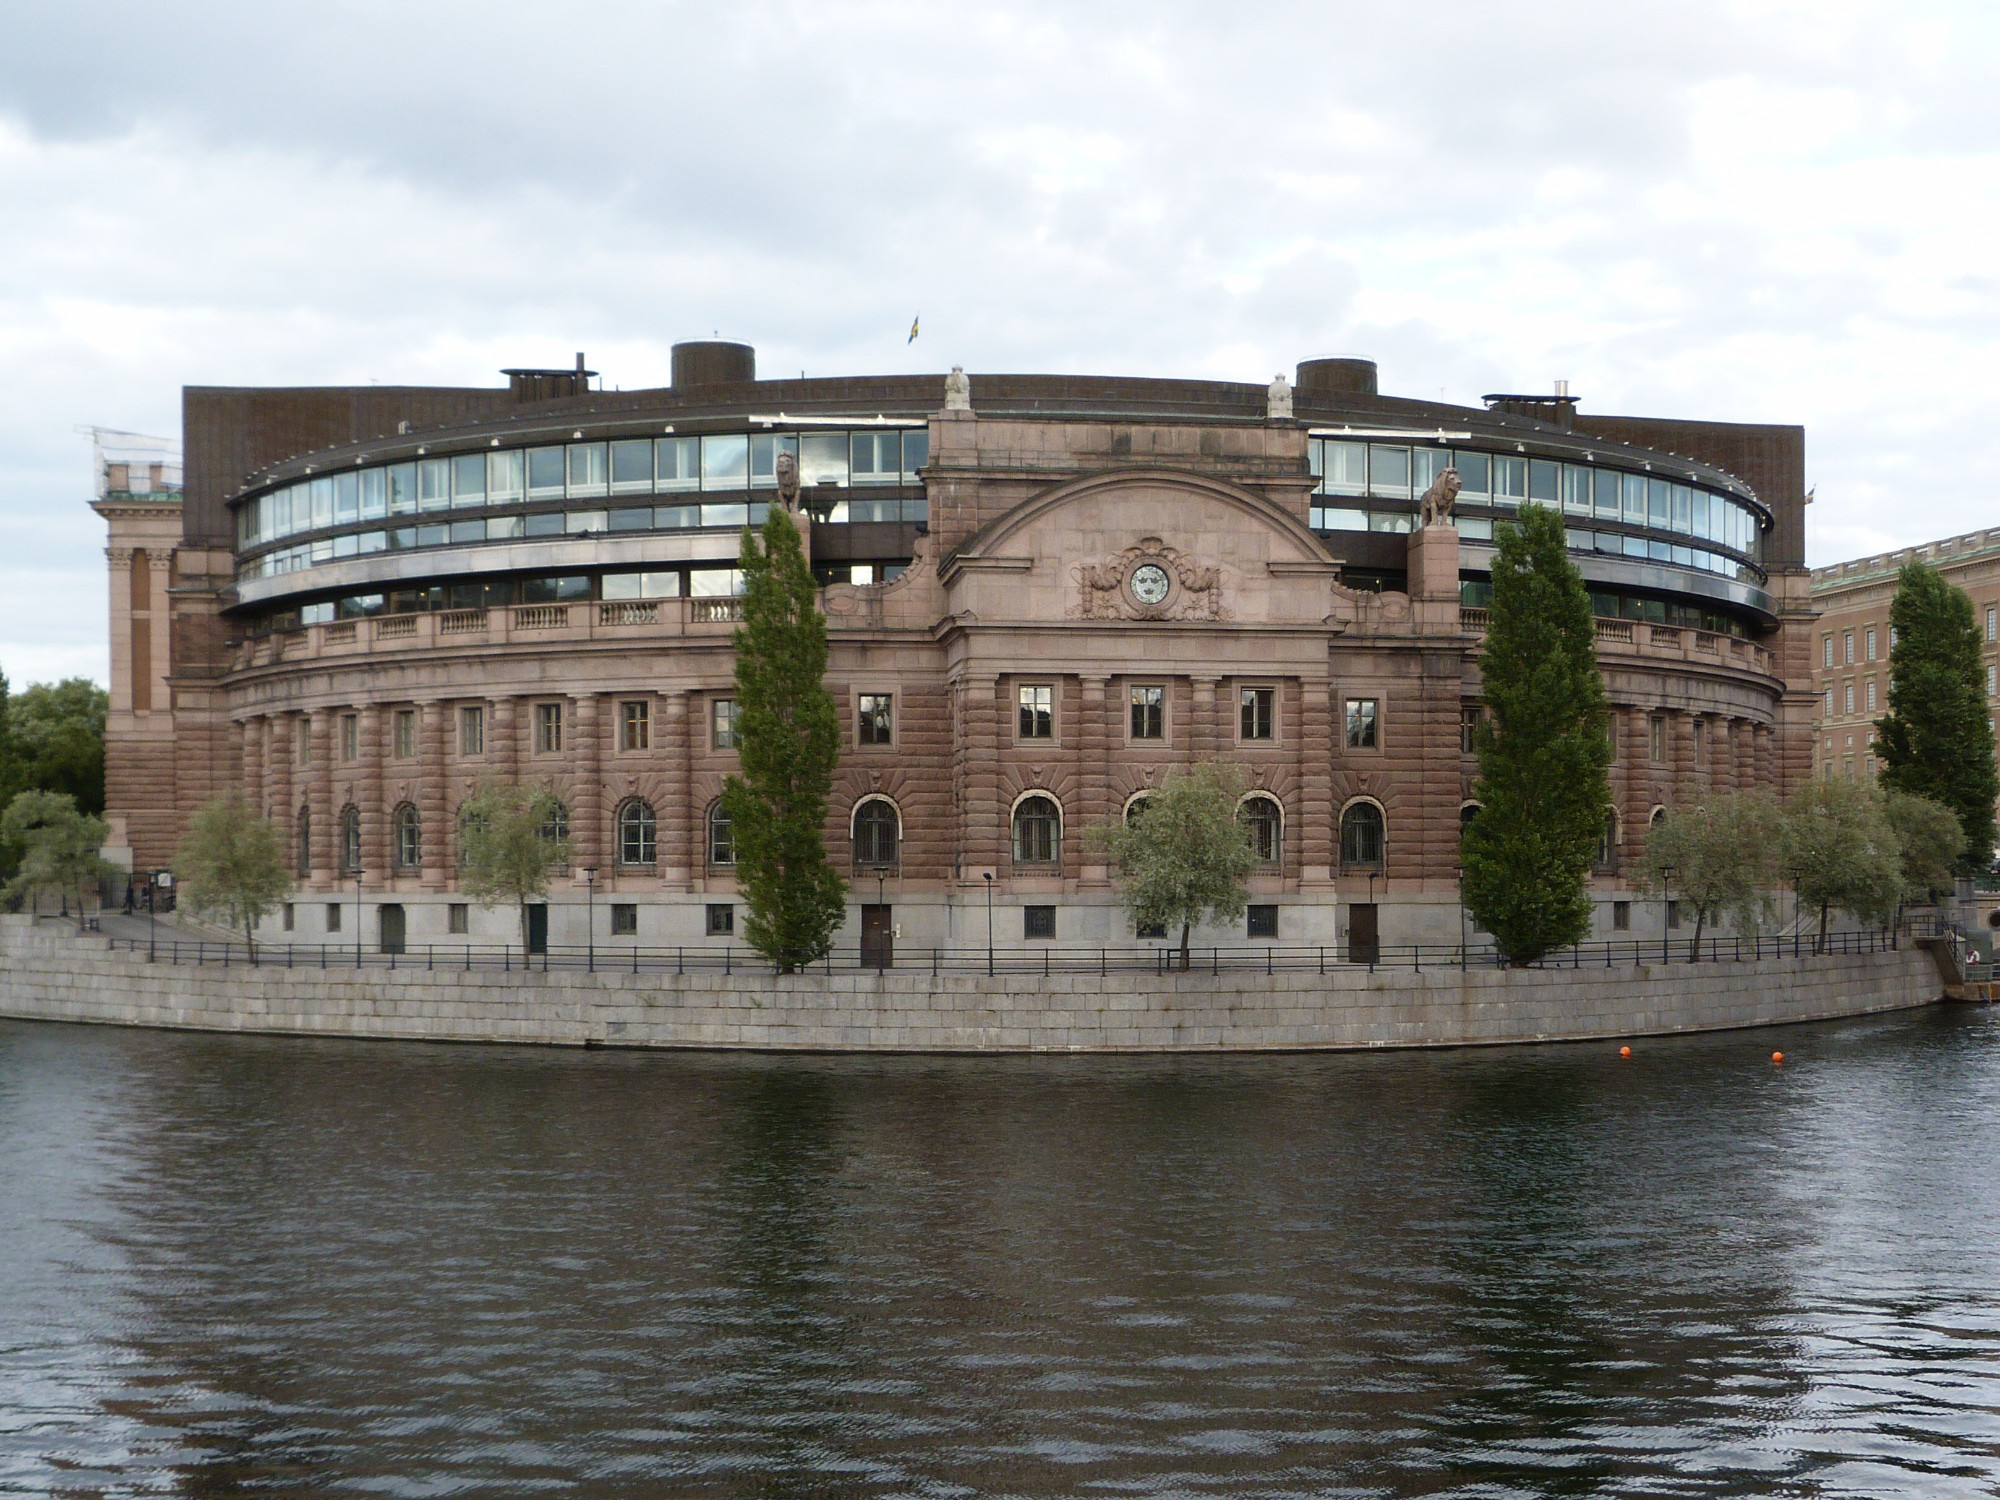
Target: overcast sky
1748,212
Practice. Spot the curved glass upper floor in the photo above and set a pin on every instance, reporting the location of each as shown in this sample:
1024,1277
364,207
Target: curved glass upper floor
526,485
1652,518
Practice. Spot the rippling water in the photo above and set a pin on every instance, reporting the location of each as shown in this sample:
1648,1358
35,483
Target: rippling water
234,1266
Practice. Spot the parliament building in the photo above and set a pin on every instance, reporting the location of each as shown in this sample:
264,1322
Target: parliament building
1044,593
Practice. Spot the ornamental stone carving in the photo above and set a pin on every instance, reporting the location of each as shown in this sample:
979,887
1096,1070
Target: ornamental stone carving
1127,586
1278,400
957,390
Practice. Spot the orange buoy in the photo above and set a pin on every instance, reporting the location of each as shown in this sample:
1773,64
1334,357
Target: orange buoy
1624,1051
1777,1057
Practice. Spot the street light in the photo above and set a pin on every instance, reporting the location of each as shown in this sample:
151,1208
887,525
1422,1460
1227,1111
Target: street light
590,913
1666,908
989,922
357,916
152,925
1459,871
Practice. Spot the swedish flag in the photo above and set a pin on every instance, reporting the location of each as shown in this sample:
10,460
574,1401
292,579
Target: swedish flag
913,329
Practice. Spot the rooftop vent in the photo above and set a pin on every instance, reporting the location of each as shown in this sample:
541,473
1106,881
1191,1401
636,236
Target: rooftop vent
1559,410
713,362
549,385
1337,377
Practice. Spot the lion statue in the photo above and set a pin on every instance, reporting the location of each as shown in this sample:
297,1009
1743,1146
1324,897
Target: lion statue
1437,500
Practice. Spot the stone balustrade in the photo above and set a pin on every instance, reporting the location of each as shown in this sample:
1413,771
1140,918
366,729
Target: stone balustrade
1672,642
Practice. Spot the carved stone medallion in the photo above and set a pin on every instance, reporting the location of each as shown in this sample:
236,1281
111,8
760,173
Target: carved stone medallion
1151,581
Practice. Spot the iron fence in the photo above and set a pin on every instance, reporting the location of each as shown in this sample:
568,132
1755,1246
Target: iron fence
1267,958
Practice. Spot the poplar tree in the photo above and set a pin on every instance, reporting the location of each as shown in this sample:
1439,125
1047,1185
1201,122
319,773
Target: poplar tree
788,738
232,863
1543,747
1936,741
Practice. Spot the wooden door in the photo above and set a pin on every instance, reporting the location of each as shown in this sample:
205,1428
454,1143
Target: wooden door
878,938
1364,940
391,915
538,929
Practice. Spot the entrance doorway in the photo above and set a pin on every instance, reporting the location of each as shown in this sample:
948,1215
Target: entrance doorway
1364,938
538,929
391,917
878,938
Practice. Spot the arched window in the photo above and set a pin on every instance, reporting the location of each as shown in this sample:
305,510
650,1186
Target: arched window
350,839
304,851
878,832
637,833
1264,821
1361,837
721,835
1135,806
1654,820
1037,831
1467,811
409,837
1607,845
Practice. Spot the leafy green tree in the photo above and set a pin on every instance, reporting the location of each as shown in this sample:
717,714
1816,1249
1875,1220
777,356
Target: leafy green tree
58,847
1543,750
54,735
1929,840
1183,852
1718,855
1836,842
232,863
1934,741
509,840
788,735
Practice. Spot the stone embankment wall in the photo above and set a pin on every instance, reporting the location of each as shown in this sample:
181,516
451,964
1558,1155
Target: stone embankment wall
50,973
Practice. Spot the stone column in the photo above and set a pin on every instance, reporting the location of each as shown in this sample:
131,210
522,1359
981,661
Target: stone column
1207,710
1639,777
280,750
503,742
978,764
372,793
1315,811
433,803
254,733
1094,740
318,777
680,859
586,824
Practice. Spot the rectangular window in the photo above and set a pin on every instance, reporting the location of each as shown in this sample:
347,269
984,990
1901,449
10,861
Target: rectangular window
406,733
1826,650
722,724
1871,695
721,920
1361,723
504,476
1149,713
1656,739
1038,712
1990,684
350,736
586,466
632,466
545,473
1469,720
1257,713
458,918
1038,922
624,919
1847,693
876,723
677,463
1847,648
877,457
1263,921
472,731
725,462
1543,481
548,728
333,916
1389,471
635,725
1510,481
1871,642
1829,703
1621,916
1992,623
1346,467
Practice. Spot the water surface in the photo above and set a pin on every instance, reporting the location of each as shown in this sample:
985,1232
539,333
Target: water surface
236,1266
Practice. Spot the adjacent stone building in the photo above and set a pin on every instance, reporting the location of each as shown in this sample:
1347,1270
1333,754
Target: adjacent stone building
1044,593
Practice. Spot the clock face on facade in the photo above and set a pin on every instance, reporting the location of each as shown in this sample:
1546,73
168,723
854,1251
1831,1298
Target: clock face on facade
1149,583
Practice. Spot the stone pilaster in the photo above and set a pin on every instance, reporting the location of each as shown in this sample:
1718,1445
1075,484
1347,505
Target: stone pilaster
318,777
372,794
440,834
1315,811
1207,710
679,856
1094,739
587,818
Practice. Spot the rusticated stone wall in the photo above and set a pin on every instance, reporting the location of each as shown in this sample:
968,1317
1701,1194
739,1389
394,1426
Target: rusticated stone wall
50,973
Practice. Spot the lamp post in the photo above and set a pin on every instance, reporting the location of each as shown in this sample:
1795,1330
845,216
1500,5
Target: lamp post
590,914
152,925
989,922
357,916
1666,908
1459,871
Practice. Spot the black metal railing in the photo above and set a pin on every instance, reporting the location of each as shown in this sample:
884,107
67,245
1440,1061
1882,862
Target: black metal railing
1268,958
